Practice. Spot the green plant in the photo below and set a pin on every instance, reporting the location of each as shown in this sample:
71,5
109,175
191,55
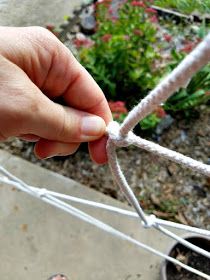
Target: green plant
186,6
196,93
125,58
122,58
150,121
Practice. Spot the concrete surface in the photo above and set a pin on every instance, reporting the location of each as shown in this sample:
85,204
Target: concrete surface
35,12
38,240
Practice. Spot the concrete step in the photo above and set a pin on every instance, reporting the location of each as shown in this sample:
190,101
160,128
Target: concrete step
36,12
38,240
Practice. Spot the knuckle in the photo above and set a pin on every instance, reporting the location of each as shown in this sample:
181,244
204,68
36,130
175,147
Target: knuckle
41,36
62,123
67,124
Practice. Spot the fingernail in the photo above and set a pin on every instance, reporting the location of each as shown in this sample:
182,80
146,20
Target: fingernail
55,155
93,126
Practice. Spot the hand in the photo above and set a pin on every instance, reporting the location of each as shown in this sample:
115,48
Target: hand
35,70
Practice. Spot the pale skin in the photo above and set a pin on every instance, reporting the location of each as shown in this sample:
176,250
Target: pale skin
35,70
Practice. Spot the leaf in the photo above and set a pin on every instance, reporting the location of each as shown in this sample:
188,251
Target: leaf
149,122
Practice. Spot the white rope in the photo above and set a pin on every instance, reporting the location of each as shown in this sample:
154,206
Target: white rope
120,136
38,192
177,79
50,199
113,130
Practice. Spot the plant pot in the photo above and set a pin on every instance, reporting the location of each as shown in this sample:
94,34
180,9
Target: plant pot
170,271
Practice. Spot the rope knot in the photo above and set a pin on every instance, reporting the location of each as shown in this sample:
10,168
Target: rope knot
41,192
113,131
150,221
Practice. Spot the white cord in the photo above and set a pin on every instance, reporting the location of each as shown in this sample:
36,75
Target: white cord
50,199
120,136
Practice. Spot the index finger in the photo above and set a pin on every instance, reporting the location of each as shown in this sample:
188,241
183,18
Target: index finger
84,94
68,79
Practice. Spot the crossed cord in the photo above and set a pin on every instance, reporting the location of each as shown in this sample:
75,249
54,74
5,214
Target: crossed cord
121,136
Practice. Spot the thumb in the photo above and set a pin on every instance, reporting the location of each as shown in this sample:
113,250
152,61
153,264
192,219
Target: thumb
23,102
53,121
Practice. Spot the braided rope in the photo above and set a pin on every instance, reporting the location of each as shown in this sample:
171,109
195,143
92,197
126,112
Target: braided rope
121,136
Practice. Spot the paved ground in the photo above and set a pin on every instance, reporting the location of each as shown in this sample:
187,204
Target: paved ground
38,240
36,12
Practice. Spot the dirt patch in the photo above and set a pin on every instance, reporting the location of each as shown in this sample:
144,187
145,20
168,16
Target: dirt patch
190,258
163,188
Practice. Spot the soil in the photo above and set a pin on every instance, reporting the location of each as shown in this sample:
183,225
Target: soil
190,258
163,187
195,260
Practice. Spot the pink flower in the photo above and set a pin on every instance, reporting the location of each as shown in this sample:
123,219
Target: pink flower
167,37
82,41
138,4
106,37
188,47
160,112
51,28
114,19
117,107
153,19
151,10
110,10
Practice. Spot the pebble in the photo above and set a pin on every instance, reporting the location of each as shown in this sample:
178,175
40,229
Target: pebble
164,124
172,169
87,20
182,138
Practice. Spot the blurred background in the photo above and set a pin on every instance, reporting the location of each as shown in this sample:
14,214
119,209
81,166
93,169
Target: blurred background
128,47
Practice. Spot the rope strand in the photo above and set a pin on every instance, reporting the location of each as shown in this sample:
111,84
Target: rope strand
120,136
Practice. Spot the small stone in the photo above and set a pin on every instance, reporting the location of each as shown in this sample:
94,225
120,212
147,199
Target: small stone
201,133
172,169
75,29
164,124
138,161
182,138
87,2
88,21
77,11
64,25
207,182
155,200
162,176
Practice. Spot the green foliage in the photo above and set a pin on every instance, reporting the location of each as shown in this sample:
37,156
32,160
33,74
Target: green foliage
122,59
196,93
186,6
150,122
